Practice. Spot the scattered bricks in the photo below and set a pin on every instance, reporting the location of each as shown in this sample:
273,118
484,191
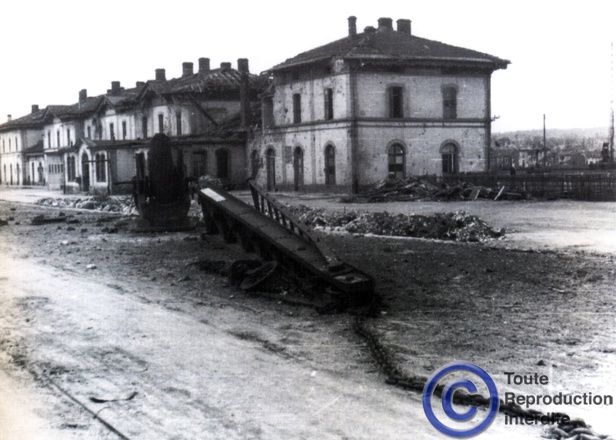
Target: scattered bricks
3,222
91,266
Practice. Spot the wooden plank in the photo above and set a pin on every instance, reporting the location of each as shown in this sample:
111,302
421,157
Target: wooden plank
502,190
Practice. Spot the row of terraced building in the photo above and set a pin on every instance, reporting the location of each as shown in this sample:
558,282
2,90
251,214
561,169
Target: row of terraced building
377,103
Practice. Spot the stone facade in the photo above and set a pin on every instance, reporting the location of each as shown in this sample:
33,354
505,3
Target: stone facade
342,116
350,113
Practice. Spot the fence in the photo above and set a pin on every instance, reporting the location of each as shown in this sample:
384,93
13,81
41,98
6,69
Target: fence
595,187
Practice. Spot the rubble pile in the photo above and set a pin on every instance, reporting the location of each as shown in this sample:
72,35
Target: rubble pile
122,204
414,188
456,226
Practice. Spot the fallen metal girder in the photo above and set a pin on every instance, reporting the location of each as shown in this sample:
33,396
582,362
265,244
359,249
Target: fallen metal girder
278,236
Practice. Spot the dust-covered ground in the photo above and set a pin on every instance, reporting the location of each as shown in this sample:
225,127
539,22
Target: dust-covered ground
127,326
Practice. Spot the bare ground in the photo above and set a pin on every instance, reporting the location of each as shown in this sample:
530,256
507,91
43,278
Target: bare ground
205,358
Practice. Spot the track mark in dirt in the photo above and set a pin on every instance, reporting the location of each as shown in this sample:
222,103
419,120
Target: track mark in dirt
267,344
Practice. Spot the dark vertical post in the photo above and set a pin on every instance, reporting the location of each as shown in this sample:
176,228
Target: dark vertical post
545,148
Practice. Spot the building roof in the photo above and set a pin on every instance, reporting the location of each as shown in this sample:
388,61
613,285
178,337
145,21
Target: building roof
32,120
387,45
80,109
216,80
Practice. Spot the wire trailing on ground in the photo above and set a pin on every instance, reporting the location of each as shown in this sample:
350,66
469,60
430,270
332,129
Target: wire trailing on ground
566,428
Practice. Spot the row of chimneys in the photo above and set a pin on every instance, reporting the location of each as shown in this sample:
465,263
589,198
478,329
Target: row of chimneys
187,70
404,26
204,67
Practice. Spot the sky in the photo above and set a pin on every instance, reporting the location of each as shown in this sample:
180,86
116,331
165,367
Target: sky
560,53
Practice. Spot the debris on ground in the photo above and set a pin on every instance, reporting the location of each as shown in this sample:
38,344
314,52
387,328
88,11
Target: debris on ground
121,204
455,226
42,220
415,188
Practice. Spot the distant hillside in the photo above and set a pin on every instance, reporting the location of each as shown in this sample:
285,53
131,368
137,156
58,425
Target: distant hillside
598,132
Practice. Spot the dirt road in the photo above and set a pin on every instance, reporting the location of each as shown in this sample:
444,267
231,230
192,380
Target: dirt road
169,351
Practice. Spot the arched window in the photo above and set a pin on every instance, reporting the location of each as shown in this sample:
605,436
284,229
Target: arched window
449,154
41,172
298,168
395,161
223,164
101,167
450,102
270,168
70,168
254,163
330,165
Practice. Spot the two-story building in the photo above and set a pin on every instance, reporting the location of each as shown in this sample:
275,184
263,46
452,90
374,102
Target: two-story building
372,104
19,138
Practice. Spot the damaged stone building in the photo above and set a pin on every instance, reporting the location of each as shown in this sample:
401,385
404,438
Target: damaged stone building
377,103
91,145
373,104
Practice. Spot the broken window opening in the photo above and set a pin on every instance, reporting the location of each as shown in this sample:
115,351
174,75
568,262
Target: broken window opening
395,161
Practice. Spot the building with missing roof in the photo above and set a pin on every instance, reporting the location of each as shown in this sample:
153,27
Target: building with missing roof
377,103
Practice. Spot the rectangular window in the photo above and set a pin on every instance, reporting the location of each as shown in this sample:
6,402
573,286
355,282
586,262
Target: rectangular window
450,103
268,112
68,136
10,145
58,138
329,104
101,166
178,123
89,132
111,132
396,102
123,129
48,139
297,108
144,126
161,123
16,144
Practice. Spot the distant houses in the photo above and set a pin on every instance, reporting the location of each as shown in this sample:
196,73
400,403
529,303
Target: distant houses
372,104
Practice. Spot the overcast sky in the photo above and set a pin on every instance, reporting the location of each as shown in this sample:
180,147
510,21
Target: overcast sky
559,51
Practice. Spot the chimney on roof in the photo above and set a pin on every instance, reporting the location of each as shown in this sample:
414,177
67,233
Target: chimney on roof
187,69
369,30
352,26
385,24
160,75
242,67
115,88
35,108
83,95
204,65
140,84
225,65
8,118
404,26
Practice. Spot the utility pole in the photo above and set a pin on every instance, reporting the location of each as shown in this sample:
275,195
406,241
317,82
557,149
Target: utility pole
611,133
545,146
